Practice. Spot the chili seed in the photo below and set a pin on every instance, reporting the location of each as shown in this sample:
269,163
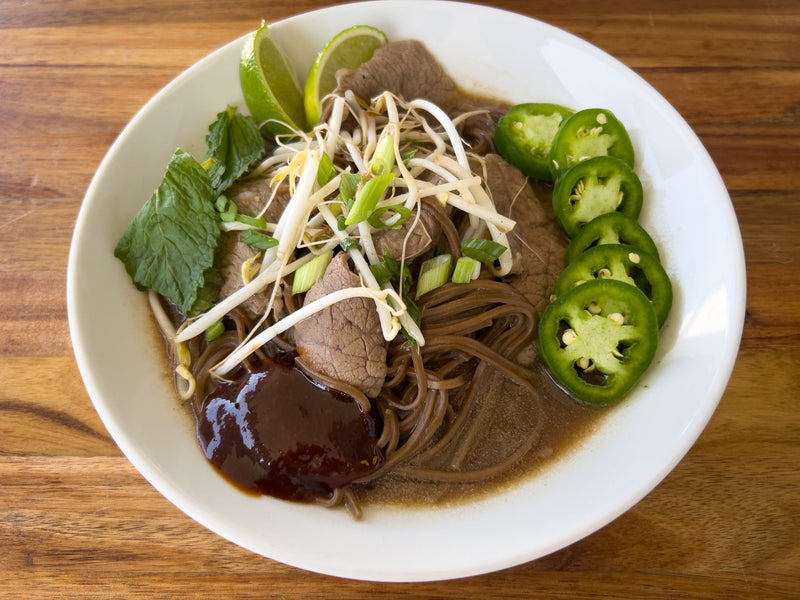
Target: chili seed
617,318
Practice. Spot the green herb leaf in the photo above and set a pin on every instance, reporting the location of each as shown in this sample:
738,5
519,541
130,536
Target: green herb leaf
257,222
386,270
257,239
234,143
483,250
169,246
408,155
348,244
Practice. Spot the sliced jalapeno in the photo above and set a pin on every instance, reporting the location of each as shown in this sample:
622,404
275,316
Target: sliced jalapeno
623,263
524,134
587,133
598,339
610,228
593,187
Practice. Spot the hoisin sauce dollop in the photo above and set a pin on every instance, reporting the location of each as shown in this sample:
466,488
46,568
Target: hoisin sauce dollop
274,431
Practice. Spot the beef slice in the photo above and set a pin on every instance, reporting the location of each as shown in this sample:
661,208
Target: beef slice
345,340
537,242
404,68
422,234
250,196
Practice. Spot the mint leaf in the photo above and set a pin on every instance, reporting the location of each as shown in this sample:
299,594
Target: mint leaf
169,246
234,143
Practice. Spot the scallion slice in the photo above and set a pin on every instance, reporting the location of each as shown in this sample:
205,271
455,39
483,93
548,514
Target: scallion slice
433,273
378,223
367,198
383,158
326,171
483,250
311,272
348,186
216,330
466,270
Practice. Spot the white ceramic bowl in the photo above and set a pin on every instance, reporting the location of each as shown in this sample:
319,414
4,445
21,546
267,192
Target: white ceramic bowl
687,210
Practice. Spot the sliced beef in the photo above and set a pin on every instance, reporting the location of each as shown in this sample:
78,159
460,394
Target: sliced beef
422,234
404,68
410,71
250,196
537,242
343,341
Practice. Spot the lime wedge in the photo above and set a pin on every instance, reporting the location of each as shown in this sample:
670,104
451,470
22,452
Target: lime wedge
346,50
270,86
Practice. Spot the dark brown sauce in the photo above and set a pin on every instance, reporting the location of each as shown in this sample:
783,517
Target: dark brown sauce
275,432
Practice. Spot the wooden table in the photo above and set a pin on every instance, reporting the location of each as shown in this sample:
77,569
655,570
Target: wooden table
76,519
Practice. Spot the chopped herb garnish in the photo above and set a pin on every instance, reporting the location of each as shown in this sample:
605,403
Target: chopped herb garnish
348,244
258,239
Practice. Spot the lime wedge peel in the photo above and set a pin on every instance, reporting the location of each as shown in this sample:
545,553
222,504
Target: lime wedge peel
270,85
348,49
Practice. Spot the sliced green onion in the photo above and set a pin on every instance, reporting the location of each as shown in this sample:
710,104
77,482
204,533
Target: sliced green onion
433,273
466,270
326,171
483,250
258,239
311,272
383,158
348,186
215,331
378,223
348,244
257,222
206,164
367,198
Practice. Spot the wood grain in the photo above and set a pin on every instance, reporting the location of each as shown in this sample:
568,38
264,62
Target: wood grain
77,520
